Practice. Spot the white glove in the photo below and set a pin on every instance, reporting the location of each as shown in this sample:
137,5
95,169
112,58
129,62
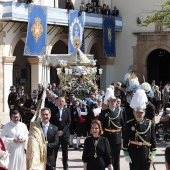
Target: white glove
152,158
128,159
110,167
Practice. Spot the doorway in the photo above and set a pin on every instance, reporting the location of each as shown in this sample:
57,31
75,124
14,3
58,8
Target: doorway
158,67
21,68
94,51
59,48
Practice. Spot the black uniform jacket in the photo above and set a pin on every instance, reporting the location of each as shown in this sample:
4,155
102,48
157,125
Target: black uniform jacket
146,130
74,117
48,103
12,98
109,119
27,107
150,111
65,122
129,111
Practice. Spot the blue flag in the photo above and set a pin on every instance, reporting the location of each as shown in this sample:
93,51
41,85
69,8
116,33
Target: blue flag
109,35
36,31
76,31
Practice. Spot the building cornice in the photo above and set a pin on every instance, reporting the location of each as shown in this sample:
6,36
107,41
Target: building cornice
35,60
8,60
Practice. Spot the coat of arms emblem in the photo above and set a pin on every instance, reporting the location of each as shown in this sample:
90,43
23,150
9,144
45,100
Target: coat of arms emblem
76,33
109,33
37,29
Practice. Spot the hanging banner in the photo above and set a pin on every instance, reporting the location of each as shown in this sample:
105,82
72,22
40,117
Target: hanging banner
76,32
109,36
36,31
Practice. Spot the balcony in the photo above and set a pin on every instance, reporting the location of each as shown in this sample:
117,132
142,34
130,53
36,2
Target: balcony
19,12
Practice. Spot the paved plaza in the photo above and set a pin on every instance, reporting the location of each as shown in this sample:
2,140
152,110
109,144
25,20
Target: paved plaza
75,156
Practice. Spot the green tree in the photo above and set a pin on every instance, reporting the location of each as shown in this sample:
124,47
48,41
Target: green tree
161,17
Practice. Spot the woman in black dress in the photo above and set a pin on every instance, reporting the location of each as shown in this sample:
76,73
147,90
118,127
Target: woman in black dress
96,153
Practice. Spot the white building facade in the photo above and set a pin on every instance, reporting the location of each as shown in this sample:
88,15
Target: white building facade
133,43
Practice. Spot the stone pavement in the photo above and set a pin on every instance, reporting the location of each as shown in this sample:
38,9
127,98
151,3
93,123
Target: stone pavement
75,156
75,162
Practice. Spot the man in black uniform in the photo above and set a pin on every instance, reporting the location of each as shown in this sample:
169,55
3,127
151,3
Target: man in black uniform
150,111
22,97
81,125
139,142
113,127
128,109
73,124
29,108
12,99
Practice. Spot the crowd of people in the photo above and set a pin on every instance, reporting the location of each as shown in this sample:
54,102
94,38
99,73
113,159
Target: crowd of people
107,121
161,100
94,7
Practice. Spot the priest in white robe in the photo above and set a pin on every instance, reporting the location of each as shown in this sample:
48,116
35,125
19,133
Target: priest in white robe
15,137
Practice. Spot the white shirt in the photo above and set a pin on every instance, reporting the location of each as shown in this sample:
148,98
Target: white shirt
47,125
45,129
61,111
34,101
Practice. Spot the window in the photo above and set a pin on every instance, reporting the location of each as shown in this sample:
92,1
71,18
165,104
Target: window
62,3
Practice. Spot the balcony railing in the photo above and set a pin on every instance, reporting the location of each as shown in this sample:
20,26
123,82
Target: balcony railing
19,12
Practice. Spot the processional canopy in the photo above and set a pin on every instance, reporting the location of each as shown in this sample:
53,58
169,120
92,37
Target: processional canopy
77,72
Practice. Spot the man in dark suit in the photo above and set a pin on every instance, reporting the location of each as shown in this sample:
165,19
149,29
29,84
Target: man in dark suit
48,99
51,137
61,118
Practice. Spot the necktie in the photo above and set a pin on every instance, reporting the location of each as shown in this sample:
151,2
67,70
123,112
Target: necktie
45,131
